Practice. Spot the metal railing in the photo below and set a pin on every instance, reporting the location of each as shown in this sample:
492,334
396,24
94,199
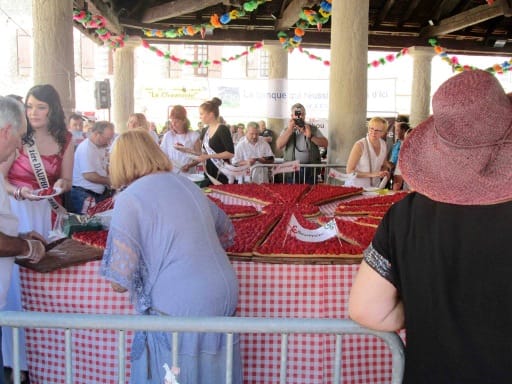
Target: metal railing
175,325
320,172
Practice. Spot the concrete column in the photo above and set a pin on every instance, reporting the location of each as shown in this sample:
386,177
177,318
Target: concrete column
123,99
348,77
53,48
278,72
421,84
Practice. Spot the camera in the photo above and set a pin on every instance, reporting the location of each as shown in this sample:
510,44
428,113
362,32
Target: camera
298,120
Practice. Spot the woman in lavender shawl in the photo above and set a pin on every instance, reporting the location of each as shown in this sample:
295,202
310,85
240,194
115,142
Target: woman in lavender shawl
166,247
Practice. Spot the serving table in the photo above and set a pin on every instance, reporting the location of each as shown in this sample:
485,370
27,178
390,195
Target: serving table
268,290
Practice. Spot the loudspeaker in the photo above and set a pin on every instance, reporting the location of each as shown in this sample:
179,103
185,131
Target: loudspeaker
102,94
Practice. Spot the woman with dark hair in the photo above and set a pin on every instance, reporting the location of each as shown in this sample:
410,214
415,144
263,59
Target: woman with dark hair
218,147
180,143
46,148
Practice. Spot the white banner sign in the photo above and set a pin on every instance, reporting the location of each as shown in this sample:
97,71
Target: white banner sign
288,166
326,232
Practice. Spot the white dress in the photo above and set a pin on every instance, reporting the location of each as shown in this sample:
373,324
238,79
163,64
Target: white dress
369,156
179,159
33,216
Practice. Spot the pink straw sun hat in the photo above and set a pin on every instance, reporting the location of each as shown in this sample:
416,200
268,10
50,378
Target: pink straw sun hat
463,153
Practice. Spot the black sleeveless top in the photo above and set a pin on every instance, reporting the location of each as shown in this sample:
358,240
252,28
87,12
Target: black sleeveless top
452,266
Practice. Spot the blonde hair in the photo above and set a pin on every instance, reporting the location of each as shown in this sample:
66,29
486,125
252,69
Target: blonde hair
134,155
379,120
142,121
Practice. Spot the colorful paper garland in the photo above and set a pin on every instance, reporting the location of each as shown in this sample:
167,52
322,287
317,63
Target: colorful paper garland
457,67
307,17
373,64
216,21
97,23
195,63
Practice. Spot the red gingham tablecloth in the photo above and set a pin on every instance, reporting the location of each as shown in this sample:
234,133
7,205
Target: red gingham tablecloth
266,290
78,289
305,291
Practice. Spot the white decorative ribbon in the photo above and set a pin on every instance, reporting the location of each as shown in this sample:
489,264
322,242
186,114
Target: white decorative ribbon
288,166
340,175
325,232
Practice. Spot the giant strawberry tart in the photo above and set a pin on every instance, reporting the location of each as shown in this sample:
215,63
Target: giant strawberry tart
282,244
97,239
323,193
249,232
235,210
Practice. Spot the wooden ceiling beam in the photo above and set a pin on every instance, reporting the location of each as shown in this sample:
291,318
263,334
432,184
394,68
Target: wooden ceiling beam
466,19
291,14
177,8
100,7
447,8
410,9
384,12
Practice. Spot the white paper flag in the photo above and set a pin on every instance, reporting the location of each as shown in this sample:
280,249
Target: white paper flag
323,233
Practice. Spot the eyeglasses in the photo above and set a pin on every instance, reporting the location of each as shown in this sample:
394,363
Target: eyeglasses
376,130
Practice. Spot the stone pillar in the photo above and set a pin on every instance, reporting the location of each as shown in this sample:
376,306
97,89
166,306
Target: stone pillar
53,48
348,77
278,73
123,100
421,84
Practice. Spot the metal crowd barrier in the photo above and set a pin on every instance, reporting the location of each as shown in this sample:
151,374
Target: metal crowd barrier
227,325
321,173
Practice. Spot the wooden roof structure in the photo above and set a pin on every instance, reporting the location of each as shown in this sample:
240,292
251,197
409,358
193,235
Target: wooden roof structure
460,26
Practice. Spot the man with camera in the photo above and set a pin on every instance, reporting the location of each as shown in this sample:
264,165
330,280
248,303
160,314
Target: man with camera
301,141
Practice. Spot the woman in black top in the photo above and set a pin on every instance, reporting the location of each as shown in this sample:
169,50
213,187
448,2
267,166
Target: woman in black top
439,264
217,143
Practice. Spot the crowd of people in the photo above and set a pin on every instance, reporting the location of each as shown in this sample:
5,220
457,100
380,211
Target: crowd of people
420,271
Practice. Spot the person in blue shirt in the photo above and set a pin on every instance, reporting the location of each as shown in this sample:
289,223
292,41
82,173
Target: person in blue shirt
400,129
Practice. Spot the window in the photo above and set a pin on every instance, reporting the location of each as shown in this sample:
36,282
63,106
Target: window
264,63
87,48
257,64
197,52
24,46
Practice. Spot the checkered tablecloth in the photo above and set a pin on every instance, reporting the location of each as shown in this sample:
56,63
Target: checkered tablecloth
266,290
77,289
305,291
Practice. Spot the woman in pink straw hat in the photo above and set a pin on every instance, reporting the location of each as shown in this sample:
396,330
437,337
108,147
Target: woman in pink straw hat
440,263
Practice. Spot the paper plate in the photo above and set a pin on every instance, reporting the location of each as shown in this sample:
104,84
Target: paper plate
195,177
